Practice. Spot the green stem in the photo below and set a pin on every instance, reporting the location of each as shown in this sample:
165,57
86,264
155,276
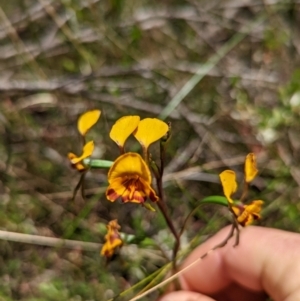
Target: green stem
96,163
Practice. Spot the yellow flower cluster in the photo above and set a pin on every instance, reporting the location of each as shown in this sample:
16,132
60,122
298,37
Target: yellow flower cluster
129,177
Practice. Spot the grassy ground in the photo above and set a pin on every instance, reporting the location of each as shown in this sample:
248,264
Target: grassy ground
225,73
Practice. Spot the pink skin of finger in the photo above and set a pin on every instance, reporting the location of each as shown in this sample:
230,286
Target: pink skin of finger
266,262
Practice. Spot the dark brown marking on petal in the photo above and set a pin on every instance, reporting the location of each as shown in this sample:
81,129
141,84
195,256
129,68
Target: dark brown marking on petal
112,195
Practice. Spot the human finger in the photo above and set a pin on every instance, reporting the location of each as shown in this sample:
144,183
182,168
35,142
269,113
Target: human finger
186,296
265,260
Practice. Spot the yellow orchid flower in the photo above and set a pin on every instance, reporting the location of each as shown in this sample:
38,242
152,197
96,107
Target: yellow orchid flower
245,214
150,130
87,120
130,179
113,240
123,128
87,151
84,124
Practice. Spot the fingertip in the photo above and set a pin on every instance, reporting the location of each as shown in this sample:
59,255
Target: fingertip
185,296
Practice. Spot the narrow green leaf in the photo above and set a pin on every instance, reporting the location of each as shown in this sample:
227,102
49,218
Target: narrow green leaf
215,199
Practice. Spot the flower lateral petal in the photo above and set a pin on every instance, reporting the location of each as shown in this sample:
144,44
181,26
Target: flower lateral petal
228,181
150,192
123,128
115,189
87,120
150,130
250,168
86,152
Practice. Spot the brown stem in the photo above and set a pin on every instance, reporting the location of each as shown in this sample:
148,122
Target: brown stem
145,154
122,150
163,208
245,191
237,238
234,226
162,159
79,184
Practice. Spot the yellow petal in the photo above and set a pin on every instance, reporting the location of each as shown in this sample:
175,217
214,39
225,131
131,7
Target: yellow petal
251,212
117,242
71,156
250,168
114,225
79,166
87,120
150,130
86,152
129,164
236,210
112,239
109,248
123,128
149,191
116,189
255,207
228,181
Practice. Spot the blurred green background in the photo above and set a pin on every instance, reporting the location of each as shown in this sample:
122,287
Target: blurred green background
225,73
